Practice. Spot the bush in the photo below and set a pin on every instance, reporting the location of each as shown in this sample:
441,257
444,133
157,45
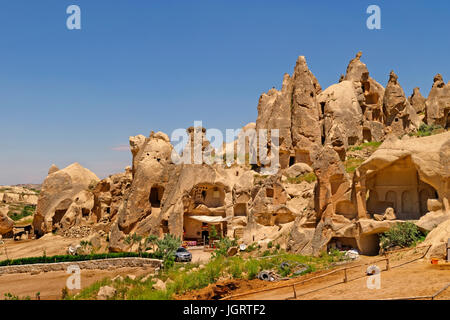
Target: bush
167,248
70,258
223,245
401,235
428,130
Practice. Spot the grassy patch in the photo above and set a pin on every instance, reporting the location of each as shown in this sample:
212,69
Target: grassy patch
371,145
26,211
428,130
352,163
185,280
308,177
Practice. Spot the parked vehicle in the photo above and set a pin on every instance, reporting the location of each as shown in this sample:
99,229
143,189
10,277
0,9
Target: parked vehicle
183,255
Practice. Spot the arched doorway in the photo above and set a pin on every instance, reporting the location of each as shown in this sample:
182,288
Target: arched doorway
155,197
391,198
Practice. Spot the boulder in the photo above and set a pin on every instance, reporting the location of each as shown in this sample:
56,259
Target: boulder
438,238
432,220
297,169
106,293
232,251
159,285
59,190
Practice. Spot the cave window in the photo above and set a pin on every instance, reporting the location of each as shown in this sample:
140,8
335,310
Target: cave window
156,194
85,212
291,160
269,193
352,140
108,210
367,135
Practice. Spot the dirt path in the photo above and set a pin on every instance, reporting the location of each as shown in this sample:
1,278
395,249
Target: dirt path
50,284
50,244
418,278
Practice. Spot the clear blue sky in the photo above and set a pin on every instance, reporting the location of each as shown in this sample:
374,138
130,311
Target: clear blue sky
145,65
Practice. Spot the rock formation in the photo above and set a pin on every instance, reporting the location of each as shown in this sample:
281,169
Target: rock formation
64,191
400,116
313,203
6,223
438,103
417,101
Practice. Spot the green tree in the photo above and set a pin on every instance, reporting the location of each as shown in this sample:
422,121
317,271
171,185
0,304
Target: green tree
132,239
167,248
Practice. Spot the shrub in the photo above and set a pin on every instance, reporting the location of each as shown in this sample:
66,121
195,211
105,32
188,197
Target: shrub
428,130
223,245
167,248
401,235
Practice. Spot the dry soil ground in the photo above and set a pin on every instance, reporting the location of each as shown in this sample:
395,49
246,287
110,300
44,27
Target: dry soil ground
417,278
50,284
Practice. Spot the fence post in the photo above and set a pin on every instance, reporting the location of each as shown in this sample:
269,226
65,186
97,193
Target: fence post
387,264
345,275
295,293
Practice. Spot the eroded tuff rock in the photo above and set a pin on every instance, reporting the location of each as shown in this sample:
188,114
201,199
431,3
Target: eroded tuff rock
417,101
152,163
295,112
405,174
438,103
6,223
64,191
312,204
342,116
401,117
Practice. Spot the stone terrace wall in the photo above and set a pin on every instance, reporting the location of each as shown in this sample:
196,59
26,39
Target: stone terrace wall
102,264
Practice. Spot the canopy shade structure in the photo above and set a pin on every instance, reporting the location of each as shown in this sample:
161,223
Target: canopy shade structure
209,219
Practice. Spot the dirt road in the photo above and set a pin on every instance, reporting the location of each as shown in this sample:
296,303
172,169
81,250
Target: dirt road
418,278
50,284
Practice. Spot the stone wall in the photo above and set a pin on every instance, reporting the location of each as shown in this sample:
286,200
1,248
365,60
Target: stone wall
102,264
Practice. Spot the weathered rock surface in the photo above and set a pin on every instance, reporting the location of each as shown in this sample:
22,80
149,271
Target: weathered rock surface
418,101
6,223
438,238
106,292
63,190
438,103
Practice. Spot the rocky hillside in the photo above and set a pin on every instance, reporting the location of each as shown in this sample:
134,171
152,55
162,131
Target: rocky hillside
17,206
354,159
